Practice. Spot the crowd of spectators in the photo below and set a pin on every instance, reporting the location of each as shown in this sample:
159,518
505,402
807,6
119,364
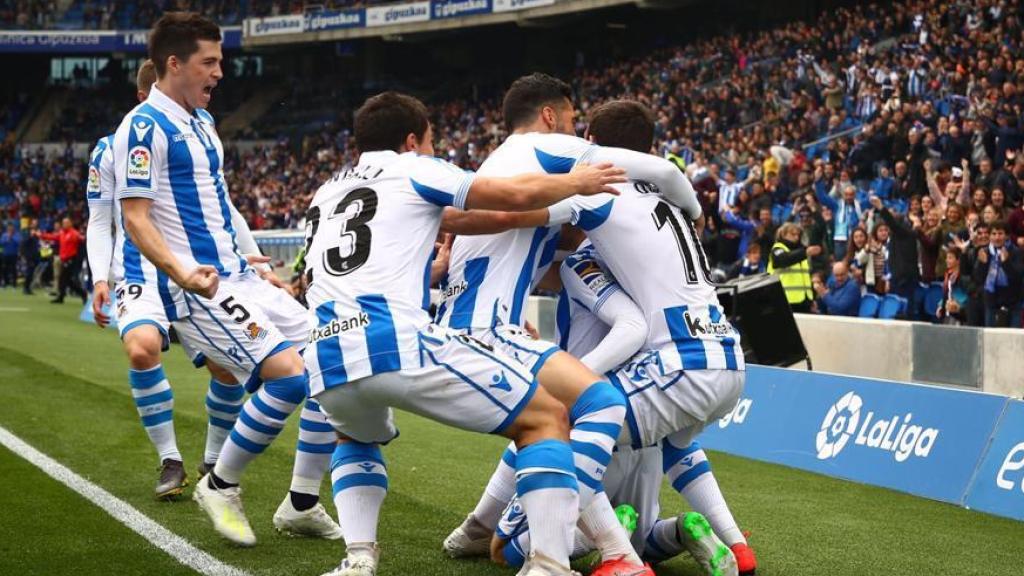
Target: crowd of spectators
890,136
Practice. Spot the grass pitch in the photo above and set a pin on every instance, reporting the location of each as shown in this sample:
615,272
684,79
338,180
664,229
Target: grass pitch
64,390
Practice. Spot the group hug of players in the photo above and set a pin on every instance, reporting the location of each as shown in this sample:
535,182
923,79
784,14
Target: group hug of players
646,357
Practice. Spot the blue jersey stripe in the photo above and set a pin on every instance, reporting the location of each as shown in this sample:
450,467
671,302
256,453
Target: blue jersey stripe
222,198
433,195
328,350
163,287
425,304
181,175
141,125
523,284
547,255
728,344
590,219
381,340
691,350
131,259
554,164
465,303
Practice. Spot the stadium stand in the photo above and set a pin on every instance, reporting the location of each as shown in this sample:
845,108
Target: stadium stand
915,103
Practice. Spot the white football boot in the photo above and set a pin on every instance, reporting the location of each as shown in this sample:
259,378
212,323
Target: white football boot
710,552
315,522
361,561
461,543
224,507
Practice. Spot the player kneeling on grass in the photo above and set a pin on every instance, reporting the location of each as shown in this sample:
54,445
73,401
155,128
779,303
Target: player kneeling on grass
169,180
373,346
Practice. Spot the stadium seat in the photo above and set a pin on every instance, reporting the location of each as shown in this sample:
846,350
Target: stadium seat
932,298
892,306
869,306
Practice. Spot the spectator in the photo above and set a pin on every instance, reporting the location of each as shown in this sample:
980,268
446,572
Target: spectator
954,291
969,262
789,261
847,214
929,235
840,296
71,257
29,251
999,270
903,257
9,242
858,243
751,264
874,260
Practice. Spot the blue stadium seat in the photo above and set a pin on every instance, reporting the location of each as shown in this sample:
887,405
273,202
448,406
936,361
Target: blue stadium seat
869,306
892,306
932,298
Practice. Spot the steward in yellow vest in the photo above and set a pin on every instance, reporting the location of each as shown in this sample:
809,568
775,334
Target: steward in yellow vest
788,260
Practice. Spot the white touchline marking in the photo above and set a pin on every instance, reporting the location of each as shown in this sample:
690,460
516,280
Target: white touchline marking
174,545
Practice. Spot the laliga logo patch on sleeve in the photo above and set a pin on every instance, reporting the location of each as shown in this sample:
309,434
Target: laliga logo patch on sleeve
139,163
94,180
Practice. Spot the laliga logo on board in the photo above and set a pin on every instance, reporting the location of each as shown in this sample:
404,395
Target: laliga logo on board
842,422
738,415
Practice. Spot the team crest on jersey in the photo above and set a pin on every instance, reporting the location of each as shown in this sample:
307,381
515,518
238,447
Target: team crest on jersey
94,181
139,163
255,332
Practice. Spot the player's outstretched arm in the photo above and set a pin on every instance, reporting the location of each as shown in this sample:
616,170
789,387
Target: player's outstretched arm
474,222
202,280
672,183
535,191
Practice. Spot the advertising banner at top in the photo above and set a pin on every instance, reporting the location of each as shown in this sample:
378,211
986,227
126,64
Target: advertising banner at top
90,41
441,9
335,19
275,25
398,14
923,440
510,5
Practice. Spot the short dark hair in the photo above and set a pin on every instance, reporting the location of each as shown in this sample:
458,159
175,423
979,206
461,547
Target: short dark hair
178,34
998,225
623,124
527,95
384,121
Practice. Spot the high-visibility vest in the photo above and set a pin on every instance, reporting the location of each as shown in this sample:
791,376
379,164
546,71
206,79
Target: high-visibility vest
796,279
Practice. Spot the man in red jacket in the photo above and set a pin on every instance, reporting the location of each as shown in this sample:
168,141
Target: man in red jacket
70,252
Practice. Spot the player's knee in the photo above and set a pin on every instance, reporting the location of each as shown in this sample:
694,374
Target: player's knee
282,365
548,417
143,348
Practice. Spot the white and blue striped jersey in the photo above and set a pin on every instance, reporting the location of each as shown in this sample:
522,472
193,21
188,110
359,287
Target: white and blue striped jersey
585,288
176,159
490,276
370,235
119,258
651,248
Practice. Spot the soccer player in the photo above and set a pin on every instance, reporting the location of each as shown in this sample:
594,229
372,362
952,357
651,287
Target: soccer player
168,177
371,236
598,322
489,279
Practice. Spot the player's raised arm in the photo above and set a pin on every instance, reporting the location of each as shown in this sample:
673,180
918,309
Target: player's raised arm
534,191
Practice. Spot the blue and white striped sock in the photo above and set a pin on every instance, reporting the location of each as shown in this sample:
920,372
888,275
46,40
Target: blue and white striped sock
547,488
313,451
359,480
596,420
689,472
261,420
223,403
155,403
